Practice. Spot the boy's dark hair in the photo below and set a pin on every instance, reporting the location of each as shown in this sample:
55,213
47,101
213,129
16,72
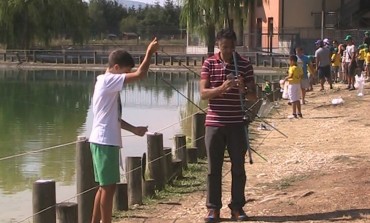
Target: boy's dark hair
226,34
122,58
293,58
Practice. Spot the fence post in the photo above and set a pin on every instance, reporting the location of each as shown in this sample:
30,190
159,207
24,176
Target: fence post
156,58
133,176
85,180
272,61
148,189
192,154
257,59
67,212
180,149
171,60
44,201
4,57
187,61
155,158
198,134
120,197
168,162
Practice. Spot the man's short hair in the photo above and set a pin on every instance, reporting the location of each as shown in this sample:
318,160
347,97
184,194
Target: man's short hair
293,58
226,34
122,58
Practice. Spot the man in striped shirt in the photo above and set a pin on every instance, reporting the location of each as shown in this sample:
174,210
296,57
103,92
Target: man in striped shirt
225,125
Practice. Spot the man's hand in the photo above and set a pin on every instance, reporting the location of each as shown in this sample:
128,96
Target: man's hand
153,46
140,130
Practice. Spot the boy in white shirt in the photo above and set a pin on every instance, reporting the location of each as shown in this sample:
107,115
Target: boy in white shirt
105,139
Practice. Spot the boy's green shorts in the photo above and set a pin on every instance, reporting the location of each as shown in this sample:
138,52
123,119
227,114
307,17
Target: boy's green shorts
106,163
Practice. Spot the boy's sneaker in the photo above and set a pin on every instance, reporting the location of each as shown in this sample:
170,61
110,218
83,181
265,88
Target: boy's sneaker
213,215
238,215
292,116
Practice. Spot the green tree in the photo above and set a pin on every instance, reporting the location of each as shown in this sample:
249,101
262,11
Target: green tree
205,16
23,22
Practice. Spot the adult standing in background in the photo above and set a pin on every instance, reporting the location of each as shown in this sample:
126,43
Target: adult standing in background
323,61
225,127
304,62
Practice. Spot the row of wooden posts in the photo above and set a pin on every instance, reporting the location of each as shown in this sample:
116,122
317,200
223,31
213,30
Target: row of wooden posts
59,57
164,165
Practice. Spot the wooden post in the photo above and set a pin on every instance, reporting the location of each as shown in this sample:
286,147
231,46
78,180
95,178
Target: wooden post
95,57
156,58
187,61
257,59
67,212
203,60
155,159
85,180
44,201
271,61
4,57
264,63
64,58
192,154
171,60
168,162
163,62
195,62
198,134
177,169
34,59
148,187
79,59
180,149
120,197
133,175
179,62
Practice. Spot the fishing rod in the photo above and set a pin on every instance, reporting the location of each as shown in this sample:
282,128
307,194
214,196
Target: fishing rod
242,104
173,87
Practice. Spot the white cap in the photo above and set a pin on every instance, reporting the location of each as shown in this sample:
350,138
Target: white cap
326,41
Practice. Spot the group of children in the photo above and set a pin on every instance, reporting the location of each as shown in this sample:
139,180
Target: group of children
347,61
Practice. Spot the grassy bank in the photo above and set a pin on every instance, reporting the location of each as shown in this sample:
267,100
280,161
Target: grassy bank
193,180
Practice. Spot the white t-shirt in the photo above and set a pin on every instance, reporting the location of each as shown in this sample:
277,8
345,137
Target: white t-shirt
106,128
350,52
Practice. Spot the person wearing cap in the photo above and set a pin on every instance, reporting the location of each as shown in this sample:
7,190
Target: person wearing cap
351,64
323,62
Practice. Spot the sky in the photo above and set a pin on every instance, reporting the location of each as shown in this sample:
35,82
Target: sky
161,2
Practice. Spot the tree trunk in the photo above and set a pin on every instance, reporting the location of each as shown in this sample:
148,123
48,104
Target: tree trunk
211,40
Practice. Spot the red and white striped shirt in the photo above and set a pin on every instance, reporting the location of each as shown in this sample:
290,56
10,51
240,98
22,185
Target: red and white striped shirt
226,109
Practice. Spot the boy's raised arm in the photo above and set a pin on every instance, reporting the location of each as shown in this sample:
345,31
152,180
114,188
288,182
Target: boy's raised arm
144,66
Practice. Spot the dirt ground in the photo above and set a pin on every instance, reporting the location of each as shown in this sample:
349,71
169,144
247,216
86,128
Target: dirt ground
320,173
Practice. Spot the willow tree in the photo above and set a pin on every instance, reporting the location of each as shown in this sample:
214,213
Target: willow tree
205,16
22,22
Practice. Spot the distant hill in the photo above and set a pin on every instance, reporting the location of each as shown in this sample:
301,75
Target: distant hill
129,4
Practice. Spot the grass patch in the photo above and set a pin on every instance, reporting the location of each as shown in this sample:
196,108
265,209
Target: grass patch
194,179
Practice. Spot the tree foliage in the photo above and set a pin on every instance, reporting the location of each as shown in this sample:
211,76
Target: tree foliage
205,16
22,22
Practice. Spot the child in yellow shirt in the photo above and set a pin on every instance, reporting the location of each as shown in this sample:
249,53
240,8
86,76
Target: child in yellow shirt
367,63
295,74
335,64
